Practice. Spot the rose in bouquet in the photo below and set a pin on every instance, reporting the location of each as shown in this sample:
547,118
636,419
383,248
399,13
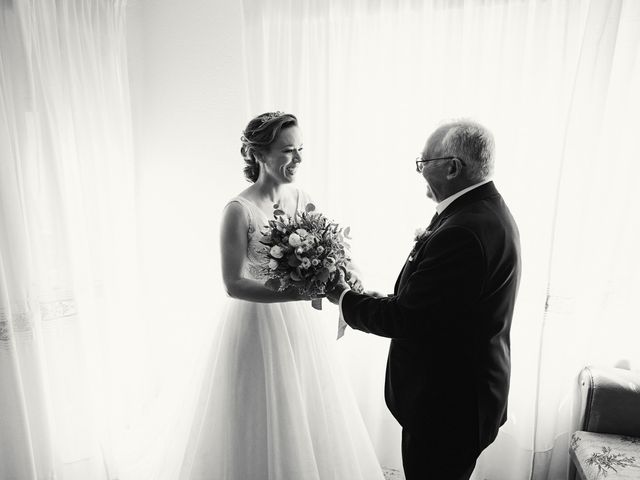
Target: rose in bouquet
306,253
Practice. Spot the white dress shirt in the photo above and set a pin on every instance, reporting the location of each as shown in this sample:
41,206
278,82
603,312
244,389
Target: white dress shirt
450,199
440,207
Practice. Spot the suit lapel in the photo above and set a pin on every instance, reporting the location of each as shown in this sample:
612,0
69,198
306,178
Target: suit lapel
433,225
482,192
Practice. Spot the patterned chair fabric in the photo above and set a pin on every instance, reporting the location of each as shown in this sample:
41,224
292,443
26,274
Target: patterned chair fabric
607,446
599,456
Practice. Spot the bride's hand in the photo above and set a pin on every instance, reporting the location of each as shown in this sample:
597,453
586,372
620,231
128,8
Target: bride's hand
293,294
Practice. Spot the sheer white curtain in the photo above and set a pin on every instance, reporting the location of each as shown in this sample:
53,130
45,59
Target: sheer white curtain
67,247
592,308
557,83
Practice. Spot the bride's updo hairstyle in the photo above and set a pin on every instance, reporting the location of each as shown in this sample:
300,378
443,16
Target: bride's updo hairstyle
260,133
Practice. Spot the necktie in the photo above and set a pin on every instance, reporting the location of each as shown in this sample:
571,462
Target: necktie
422,237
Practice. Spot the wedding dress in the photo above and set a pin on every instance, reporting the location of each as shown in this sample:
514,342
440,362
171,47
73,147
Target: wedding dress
274,404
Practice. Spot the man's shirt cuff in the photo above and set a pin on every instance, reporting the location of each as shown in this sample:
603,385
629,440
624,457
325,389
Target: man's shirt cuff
342,325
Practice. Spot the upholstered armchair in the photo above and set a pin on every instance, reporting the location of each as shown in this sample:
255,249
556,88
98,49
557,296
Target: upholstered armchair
607,446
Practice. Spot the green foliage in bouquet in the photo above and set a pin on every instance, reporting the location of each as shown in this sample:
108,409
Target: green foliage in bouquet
306,252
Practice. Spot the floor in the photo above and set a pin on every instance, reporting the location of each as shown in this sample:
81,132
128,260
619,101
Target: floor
392,474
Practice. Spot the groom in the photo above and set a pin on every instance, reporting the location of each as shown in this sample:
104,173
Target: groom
450,314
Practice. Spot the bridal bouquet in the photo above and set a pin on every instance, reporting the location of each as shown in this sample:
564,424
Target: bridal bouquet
305,252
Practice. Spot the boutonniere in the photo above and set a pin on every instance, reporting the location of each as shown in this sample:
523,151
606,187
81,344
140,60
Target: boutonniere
421,234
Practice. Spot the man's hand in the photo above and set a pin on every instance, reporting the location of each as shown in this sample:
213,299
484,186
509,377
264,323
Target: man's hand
354,282
352,277
341,285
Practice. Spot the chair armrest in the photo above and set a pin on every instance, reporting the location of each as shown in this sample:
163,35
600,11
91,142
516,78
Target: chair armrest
610,401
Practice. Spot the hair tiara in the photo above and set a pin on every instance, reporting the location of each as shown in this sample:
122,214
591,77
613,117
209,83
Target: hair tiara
264,119
271,115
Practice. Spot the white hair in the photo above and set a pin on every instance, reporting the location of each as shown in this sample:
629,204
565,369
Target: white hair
473,143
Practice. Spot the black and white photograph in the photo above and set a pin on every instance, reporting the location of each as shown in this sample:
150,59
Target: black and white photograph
319,240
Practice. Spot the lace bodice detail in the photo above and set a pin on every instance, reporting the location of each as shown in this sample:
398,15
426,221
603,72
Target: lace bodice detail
256,251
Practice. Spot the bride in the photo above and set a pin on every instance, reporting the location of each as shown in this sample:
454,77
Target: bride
274,404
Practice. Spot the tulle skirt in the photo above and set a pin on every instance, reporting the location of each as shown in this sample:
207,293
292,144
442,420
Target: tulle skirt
274,403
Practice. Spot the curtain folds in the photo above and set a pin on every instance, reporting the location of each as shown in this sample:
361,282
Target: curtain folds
88,391
591,313
554,80
66,237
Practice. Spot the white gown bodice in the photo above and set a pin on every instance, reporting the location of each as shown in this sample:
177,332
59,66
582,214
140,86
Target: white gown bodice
258,219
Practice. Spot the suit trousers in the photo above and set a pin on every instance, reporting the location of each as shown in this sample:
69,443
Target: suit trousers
425,458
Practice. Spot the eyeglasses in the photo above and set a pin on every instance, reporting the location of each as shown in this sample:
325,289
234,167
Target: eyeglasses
421,161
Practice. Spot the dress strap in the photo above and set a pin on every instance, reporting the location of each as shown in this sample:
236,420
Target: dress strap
302,199
299,200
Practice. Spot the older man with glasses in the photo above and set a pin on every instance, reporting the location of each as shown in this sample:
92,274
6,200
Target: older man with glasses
449,317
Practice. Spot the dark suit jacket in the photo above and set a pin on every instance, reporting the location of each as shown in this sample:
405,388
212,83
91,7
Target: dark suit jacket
449,320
